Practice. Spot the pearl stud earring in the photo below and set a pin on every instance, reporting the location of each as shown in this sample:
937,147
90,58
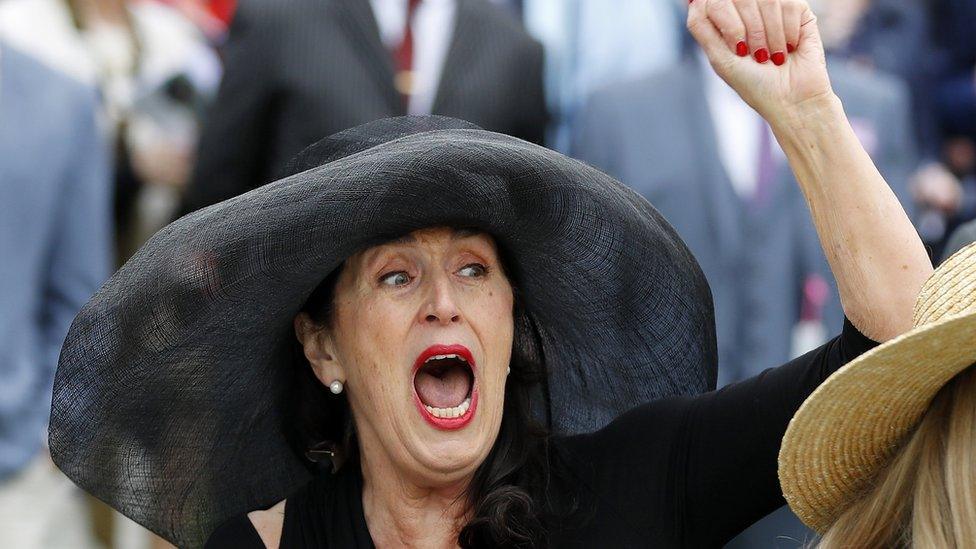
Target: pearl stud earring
508,370
335,387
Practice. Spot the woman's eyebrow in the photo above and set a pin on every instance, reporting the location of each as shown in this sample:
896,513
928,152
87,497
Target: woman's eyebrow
458,234
371,256
405,239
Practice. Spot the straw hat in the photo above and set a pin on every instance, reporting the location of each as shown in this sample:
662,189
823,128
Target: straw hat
852,425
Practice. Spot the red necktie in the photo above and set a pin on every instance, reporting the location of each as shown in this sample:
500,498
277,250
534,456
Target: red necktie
403,57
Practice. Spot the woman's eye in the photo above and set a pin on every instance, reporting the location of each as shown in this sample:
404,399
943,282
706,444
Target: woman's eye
473,270
398,278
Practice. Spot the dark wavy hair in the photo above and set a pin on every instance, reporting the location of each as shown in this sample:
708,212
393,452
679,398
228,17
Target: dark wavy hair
507,495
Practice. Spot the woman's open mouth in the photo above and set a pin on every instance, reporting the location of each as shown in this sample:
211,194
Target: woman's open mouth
444,387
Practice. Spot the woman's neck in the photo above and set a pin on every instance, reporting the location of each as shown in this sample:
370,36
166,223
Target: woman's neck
400,513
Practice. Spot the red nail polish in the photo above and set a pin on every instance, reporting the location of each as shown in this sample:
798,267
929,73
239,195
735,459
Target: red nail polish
778,58
741,49
790,48
762,55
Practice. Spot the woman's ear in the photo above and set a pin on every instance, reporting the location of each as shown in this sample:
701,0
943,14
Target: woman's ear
319,350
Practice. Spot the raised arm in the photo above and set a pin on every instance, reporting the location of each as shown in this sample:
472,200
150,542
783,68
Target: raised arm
874,252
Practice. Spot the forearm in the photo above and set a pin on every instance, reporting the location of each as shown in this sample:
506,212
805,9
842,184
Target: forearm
874,251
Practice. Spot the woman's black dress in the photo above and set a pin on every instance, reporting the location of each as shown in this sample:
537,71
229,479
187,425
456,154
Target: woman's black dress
680,472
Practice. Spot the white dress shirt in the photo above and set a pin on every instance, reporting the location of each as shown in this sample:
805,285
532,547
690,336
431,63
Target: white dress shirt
433,29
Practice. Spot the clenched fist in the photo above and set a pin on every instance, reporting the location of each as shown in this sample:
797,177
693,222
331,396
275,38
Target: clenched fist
769,51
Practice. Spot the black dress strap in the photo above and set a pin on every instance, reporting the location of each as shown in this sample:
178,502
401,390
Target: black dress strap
327,512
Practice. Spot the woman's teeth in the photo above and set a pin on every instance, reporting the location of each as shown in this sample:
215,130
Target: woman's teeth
444,357
447,413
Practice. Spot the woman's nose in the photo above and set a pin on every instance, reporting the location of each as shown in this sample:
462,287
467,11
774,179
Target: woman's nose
441,306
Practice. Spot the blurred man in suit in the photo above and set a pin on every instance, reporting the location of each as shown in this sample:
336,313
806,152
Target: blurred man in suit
299,70
685,140
929,44
55,251
589,46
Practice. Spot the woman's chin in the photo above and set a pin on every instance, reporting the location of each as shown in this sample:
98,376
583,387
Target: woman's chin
453,455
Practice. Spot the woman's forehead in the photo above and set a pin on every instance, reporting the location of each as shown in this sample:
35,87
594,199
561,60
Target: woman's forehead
431,233
431,236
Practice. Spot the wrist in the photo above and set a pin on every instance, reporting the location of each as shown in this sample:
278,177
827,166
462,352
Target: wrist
810,114
812,125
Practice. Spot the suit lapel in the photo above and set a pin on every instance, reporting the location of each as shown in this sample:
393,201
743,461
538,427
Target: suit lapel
460,56
360,25
723,206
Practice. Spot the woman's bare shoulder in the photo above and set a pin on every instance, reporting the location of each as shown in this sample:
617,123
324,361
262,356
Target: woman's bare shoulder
268,523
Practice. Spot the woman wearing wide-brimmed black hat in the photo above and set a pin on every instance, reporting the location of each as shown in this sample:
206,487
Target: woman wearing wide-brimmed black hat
432,335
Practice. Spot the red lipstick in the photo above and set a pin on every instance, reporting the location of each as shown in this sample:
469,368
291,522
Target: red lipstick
447,423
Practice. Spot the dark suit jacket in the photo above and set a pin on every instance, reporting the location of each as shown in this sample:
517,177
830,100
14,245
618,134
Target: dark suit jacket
299,70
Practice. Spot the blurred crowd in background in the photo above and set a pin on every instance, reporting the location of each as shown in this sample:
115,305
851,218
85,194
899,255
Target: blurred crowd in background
117,116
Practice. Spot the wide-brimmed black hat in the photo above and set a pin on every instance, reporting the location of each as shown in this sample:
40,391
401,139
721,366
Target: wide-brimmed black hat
170,393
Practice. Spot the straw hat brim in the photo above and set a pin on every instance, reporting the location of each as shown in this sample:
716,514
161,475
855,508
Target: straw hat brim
846,432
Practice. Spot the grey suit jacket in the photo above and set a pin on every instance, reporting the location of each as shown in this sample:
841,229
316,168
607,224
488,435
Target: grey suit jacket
299,70
55,237
657,136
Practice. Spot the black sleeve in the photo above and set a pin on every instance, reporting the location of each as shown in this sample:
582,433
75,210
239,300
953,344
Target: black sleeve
733,437
232,153
236,533
696,471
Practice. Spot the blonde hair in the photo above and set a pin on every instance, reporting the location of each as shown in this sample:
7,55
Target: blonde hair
926,496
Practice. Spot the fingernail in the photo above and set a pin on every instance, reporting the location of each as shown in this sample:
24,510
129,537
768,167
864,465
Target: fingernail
741,49
778,58
762,55
790,48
